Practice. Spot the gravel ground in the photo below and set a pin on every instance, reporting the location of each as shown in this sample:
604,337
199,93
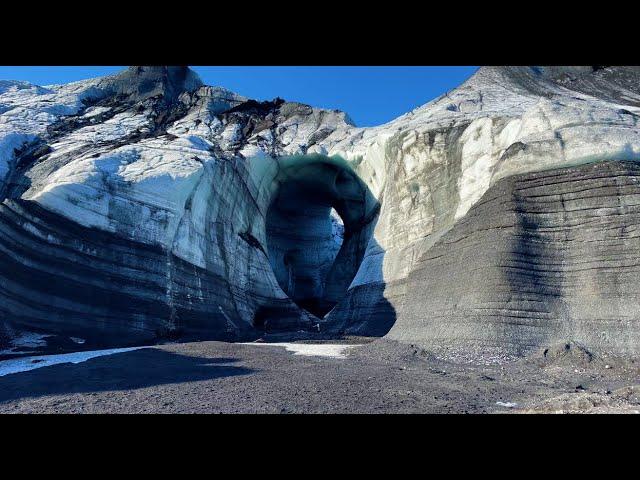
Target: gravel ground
378,377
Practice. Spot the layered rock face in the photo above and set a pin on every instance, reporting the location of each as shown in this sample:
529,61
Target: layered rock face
541,257
147,205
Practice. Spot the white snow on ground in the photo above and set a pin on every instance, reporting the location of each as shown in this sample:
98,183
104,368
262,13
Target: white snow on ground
507,404
25,364
311,349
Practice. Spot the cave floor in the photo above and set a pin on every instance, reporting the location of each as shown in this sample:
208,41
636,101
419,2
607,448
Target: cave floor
376,377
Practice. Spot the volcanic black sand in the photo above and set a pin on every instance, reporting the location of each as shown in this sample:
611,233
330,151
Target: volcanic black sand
377,377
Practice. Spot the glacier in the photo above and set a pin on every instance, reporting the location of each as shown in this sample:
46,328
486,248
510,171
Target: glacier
147,205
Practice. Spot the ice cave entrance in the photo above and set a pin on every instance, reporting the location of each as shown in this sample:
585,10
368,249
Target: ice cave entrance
317,231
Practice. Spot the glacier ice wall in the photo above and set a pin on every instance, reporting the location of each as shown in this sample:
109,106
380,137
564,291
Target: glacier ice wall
136,207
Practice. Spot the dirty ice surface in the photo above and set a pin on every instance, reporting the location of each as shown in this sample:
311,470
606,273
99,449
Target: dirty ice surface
26,340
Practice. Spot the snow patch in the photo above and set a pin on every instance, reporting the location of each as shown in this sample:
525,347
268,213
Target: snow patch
311,349
26,364
95,111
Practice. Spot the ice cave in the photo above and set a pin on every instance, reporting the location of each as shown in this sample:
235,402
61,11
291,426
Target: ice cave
317,231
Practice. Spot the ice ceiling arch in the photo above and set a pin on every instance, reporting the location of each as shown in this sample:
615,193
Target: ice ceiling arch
311,263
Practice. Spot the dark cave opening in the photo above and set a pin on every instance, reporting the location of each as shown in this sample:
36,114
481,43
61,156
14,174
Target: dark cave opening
317,231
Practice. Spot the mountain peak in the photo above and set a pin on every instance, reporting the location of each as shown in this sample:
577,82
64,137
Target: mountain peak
142,82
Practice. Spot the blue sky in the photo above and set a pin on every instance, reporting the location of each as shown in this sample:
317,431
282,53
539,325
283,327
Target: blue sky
370,95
